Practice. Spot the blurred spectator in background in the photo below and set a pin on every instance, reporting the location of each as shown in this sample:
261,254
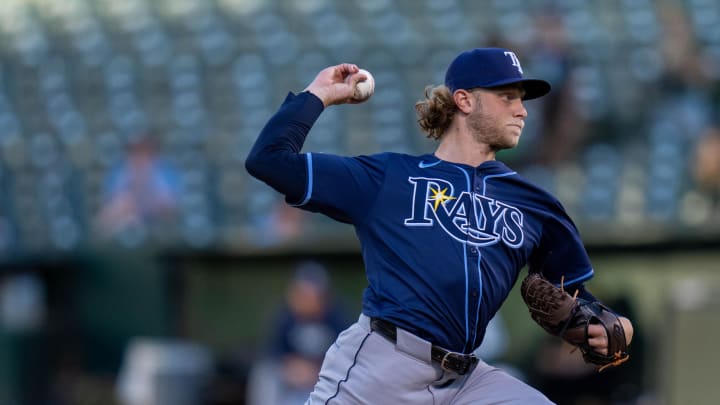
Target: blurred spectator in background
683,64
142,192
281,223
680,110
303,330
559,128
562,128
707,167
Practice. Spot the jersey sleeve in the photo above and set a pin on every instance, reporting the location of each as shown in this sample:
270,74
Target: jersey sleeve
343,188
561,254
275,157
340,187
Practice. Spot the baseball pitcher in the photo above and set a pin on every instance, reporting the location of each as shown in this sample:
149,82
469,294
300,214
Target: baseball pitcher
444,238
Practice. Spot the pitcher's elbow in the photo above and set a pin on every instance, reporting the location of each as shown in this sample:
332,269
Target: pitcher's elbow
254,165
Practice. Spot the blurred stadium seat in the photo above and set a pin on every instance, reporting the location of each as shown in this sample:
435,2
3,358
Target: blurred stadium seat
80,78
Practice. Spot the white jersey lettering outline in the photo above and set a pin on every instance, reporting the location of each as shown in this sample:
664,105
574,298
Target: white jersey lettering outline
469,218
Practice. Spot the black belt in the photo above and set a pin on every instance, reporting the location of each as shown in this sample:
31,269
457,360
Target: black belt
451,361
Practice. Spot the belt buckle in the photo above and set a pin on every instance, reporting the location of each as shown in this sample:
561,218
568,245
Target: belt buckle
443,363
467,366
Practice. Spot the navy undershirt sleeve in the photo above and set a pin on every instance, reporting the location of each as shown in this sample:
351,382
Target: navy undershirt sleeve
275,158
582,292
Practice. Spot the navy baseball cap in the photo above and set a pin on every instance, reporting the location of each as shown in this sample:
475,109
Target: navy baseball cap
491,67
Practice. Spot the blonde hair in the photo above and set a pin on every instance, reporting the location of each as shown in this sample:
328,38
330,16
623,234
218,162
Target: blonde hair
436,111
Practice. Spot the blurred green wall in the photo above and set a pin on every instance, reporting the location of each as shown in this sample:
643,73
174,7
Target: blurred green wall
227,304
97,304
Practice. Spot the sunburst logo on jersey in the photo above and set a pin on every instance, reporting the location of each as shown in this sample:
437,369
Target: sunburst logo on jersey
439,197
468,217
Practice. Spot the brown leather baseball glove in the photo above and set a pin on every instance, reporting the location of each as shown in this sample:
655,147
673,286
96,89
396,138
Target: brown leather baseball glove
568,317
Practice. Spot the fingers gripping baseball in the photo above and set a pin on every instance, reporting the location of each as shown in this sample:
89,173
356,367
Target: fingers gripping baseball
364,88
336,84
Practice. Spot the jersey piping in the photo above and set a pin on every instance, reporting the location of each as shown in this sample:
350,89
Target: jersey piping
308,191
584,277
467,276
479,260
491,176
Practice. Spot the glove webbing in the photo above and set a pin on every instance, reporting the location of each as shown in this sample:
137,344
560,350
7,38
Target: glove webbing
618,357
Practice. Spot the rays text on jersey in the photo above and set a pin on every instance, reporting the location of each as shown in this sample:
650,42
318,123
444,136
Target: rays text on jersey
467,217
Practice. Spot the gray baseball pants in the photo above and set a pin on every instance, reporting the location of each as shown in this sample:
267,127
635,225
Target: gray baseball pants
363,367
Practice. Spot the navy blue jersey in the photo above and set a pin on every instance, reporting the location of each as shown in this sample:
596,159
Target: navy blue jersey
443,243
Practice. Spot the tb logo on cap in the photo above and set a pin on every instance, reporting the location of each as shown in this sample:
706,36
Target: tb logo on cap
515,60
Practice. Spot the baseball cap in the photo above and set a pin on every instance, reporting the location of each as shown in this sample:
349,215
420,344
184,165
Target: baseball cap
491,67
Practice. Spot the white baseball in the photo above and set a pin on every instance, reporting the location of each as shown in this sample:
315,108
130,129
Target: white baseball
364,89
